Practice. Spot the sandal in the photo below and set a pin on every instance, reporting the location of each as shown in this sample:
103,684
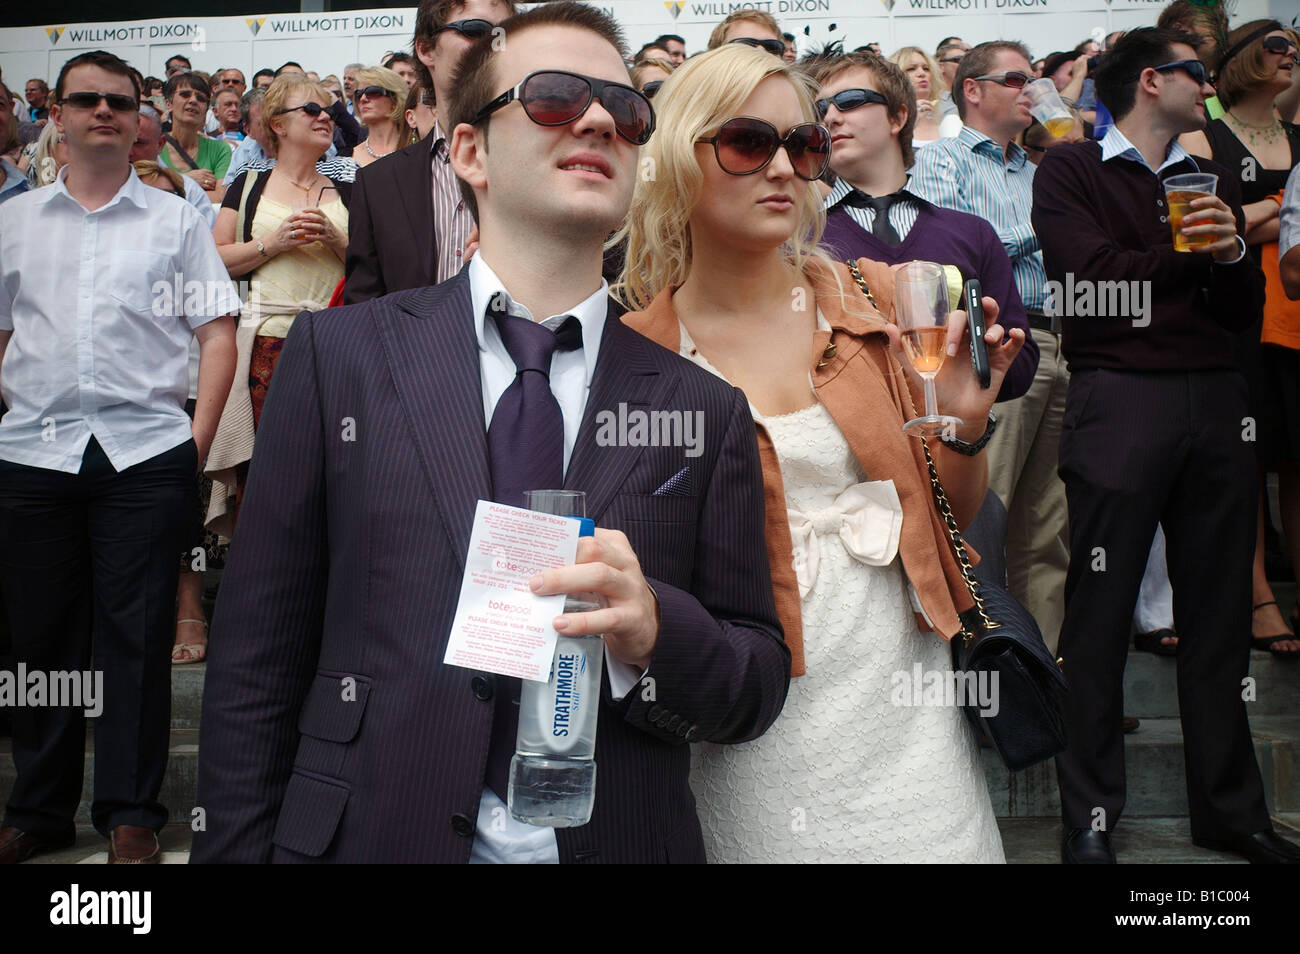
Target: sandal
1151,642
185,653
1266,643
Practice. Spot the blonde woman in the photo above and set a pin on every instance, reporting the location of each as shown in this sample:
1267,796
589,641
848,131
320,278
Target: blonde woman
381,108
923,72
286,230
721,259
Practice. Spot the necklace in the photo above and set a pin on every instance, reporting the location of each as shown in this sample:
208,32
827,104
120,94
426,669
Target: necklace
306,189
1268,135
376,155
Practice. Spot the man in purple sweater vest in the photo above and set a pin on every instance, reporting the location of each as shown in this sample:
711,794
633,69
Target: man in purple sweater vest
1153,433
871,150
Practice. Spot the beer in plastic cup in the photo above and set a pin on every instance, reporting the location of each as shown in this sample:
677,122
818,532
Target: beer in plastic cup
1179,193
1045,105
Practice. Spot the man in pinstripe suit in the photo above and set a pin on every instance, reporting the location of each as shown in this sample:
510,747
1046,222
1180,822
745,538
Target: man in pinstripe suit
331,729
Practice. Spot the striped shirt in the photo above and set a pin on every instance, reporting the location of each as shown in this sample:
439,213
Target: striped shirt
340,168
970,173
452,221
902,213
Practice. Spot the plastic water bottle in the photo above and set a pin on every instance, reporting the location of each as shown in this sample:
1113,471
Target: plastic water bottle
553,772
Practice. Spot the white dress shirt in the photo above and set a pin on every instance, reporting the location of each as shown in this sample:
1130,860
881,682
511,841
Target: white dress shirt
500,838
98,346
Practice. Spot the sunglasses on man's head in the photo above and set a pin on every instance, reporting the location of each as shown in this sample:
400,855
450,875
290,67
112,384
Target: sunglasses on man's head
847,99
775,47
374,92
117,102
556,98
1011,79
745,145
952,59
650,88
311,108
471,28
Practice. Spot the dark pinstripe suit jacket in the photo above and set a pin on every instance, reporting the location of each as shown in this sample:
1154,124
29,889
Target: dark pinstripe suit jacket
331,729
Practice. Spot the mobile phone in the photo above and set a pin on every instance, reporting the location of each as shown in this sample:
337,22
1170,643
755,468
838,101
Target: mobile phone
979,354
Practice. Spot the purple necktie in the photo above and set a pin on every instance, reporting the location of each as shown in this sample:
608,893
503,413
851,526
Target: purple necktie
526,452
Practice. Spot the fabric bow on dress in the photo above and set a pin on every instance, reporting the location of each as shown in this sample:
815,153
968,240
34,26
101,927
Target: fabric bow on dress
868,518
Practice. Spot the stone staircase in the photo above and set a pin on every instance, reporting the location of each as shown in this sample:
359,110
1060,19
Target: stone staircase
1154,828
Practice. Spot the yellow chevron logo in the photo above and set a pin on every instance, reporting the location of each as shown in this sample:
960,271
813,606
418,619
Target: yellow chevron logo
674,7
254,23
54,33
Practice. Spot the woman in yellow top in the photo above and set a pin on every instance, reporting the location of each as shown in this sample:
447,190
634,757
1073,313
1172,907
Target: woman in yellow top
285,230
721,255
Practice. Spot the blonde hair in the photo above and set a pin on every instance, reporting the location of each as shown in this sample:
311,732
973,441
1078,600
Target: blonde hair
278,93
649,62
702,94
148,170
902,58
396,86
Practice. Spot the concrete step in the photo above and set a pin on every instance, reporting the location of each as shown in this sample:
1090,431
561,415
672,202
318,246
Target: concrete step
179,784
1151,686
1154,765
1137,841
187,694
1024,841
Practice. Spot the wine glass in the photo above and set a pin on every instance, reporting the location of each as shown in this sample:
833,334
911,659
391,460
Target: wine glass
921,304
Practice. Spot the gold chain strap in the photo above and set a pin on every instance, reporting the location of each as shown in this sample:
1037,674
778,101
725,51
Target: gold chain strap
862,282
942,505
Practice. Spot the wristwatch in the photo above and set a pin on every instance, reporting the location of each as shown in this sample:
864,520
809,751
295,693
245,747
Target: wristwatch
262,248
970,450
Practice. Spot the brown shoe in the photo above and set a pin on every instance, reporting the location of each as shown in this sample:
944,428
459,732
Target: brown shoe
17,845
133,845
1130,724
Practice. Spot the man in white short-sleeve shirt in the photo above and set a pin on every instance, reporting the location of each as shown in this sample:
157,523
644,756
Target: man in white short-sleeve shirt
103,283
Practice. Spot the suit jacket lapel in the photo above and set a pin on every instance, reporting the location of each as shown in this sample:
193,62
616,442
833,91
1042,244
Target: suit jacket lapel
625,374
433,353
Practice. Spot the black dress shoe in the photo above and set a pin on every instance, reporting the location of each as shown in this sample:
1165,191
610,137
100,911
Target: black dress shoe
1262,848
1083,846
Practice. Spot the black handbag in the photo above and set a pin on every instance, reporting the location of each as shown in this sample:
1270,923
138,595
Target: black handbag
999,653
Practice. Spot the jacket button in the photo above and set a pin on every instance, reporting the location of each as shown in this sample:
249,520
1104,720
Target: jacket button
673,723
829,352
654,713
1163,219
662,721
683,729
692,733
462,825
482,687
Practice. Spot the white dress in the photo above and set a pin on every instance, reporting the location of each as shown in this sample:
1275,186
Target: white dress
847,773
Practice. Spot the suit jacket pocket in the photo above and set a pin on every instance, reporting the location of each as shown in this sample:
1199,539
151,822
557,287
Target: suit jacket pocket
661,530
334,706
310,814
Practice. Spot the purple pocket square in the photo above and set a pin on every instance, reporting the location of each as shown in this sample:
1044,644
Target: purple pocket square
678,485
